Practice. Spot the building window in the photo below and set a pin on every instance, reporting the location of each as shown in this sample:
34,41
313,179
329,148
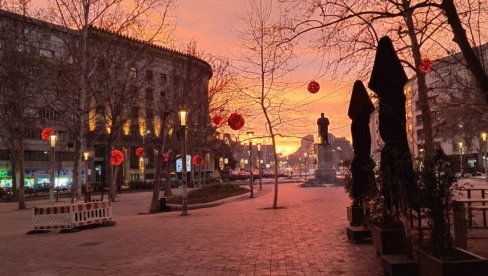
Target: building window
33,134
46,53
133,72
149,76
49,113
420,134
163,79
418,120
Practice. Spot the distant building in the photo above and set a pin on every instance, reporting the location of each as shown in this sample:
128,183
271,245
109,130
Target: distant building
459,113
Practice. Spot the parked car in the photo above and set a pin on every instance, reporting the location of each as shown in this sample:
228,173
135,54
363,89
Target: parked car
41,187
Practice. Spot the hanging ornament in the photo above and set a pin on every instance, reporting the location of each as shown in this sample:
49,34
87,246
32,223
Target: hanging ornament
117,157
425,65
313,87
165,157
139,151
46,132
217,119
196,160
235,121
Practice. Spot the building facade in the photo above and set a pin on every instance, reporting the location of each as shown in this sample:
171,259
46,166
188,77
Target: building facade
133,92
459,113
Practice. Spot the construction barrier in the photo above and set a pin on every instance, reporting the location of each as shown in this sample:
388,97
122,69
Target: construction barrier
66,215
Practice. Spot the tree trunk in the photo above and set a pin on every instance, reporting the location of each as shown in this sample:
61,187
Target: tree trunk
76,170
157,182
275,156
422,86
472,61
21,193
167,187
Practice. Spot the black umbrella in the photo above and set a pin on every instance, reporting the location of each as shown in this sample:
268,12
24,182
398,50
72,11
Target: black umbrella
387,81
360,108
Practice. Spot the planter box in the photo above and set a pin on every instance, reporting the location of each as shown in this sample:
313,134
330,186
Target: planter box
388,241
473,265
355,215
399,265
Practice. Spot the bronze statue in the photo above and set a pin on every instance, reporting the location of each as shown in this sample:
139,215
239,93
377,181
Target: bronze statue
323,124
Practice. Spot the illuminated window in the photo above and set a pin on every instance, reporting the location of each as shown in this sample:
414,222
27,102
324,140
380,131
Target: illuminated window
133,72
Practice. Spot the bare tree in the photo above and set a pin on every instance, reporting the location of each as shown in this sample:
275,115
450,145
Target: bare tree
147,18
21,79
263,66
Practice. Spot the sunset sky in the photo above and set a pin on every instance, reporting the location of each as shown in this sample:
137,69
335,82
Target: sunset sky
213,23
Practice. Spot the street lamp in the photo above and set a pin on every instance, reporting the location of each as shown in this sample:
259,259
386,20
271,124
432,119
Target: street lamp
52,142
483,137
86,154
259,167
183,114
461,156
305,158
144,156
249,136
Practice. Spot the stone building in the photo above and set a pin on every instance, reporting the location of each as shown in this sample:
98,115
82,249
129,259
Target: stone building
134,90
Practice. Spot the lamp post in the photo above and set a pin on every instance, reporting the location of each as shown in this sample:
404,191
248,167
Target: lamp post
461,157
259,167
52,142
86,154
250,135
483,137
183,114
305,158
144,156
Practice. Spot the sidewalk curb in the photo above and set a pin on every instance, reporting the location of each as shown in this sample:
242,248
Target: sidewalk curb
179,207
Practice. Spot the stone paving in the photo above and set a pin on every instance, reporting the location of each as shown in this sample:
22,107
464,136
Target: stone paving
244,237
306,237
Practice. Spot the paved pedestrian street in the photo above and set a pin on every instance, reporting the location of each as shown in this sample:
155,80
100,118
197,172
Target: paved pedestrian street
244,237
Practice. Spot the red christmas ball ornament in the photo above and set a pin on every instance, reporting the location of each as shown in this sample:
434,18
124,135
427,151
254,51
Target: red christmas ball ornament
139,151
217,119
236,121
46,132
165,157
196,160
313,87
425,65
116,157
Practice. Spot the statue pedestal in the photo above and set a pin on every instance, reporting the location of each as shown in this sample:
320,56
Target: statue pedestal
325,174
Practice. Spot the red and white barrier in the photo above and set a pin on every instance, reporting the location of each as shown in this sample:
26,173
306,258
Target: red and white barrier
65,215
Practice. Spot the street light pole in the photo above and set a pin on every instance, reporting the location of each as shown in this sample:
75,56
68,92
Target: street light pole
251,187
259,167
305,158
86,154
52,142
183,116
461,157
483,137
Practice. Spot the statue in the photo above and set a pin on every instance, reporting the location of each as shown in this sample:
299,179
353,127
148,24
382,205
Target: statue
323,124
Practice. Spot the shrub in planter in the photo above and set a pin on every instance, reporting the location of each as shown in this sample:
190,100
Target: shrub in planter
438,256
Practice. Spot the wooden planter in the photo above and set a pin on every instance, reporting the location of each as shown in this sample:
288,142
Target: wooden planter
388,241
473,265
355,215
